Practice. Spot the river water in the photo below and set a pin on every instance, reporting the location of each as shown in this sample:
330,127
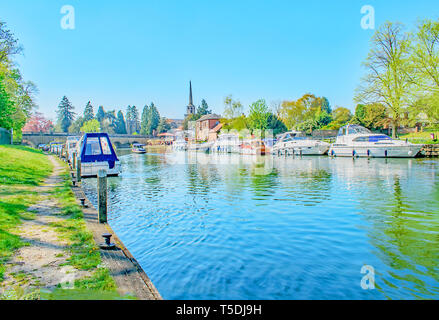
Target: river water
231,227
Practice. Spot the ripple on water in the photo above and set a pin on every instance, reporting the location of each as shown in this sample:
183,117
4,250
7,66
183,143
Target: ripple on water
302,231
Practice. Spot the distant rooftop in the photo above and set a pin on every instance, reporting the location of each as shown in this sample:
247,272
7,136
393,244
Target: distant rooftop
209,117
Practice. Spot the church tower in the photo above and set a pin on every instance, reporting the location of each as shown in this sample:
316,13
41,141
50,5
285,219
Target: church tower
190,108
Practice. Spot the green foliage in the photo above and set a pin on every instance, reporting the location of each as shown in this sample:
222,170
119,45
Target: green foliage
389,79
150,120
66,115
6,107
203,109
163,126
76,125
109,122
120,124
100,115
275,124
132,120
88,112
91,126
233,108
258,115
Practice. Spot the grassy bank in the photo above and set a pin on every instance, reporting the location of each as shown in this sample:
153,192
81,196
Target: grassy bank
21,169
421,137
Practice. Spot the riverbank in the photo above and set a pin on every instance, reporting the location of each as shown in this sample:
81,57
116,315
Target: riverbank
46,251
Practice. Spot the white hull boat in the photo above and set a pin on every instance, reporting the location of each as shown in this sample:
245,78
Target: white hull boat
296,143
357,141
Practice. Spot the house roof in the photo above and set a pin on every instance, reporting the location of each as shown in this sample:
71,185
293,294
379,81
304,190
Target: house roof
217,128
209,117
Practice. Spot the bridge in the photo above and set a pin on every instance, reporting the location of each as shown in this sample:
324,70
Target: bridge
33,139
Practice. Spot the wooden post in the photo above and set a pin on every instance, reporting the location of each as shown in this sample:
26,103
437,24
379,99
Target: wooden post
78,170
74,161
102,195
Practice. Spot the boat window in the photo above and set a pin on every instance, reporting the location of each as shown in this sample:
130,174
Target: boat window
379,138
105,146
92,147
361,139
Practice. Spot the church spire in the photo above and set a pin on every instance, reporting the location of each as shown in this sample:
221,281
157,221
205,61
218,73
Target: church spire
190,108
191,103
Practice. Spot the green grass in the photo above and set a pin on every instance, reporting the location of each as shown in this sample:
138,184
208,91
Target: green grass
84,254
421,137
21,169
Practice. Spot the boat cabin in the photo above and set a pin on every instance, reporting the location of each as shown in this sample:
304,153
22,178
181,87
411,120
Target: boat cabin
96,152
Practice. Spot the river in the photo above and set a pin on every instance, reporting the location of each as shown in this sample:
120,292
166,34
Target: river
231,227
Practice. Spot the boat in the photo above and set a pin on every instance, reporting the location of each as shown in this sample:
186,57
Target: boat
227,143
253,147
356,141
96,152
180,143
205,147
297,143
138,148
71,145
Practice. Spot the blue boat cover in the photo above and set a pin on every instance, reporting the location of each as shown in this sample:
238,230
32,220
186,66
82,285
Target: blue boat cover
379,138
88,155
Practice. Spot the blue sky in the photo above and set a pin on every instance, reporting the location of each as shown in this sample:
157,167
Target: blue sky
133,52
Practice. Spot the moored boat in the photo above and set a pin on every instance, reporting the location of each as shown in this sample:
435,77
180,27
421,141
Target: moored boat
96,152
138,148
297,143
356,141
227,143
253,147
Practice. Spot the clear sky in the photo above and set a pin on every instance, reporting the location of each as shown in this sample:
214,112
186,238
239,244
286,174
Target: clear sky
133,52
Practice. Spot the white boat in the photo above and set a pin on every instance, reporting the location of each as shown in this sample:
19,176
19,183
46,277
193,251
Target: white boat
227,143
297,143
200,147
71,146
253,147
96,152
356,141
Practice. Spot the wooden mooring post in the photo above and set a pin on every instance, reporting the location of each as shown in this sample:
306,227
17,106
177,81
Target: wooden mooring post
102,195
74,160
78,170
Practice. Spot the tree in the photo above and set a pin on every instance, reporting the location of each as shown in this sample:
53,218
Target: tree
100,115
38,123
65,114
389,77
163,126
6,108
77,125
144,123
233,108
258,115
120,124
9,45
292,113
375,116
203,109
91,126
275,124
341,116
108,124
88,112
425,55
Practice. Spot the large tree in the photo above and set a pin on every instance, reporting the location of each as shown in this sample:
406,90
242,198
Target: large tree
38,123
163,126
120,124
203,109
88,112
258,115
66,115
100,115
389,78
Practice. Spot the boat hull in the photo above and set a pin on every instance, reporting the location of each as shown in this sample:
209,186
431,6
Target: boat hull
304,150
408,151
90,170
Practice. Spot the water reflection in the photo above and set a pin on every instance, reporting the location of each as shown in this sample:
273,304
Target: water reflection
230,227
